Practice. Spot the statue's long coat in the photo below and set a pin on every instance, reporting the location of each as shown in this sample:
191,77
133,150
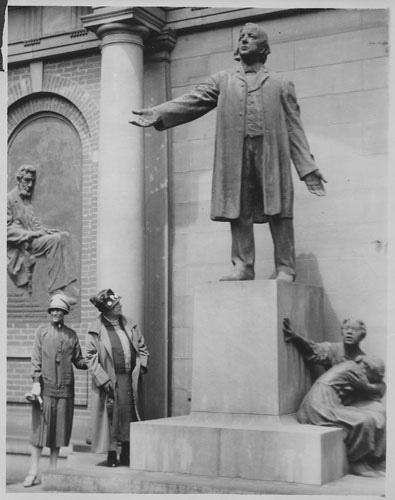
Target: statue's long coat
21,221
283,139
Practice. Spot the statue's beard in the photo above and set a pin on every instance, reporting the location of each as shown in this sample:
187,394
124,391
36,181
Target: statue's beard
24,194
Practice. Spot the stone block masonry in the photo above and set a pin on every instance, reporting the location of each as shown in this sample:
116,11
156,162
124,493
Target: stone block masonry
247,384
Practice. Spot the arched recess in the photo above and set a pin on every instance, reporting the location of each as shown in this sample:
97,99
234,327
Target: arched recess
64,88
52,107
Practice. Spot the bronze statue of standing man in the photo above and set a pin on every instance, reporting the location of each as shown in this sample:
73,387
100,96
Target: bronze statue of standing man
258,133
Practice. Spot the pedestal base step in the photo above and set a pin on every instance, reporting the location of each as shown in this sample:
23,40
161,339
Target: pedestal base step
261,448
100,479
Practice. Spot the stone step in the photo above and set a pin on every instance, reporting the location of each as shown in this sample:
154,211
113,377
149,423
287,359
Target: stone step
100,479
262,448
77,458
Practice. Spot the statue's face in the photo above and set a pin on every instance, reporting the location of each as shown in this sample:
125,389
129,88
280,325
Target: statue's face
26,185
252,41
352,333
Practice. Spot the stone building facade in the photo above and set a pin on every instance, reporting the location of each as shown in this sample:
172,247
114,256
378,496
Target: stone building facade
137,203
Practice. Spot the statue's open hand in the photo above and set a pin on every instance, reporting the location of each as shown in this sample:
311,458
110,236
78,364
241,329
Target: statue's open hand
289,334
315,183
145,118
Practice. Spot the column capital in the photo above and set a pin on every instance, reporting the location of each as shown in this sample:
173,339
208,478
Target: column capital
122,33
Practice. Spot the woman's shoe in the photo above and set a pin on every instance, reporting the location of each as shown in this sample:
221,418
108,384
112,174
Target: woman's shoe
112,459
30,480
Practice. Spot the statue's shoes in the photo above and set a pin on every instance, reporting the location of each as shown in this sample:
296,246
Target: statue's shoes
378,465
362,468
282,276
239,275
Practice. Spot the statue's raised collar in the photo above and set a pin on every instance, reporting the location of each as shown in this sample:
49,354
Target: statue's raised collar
254,68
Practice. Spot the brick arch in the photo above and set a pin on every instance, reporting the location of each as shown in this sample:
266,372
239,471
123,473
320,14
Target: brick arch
37,103
64,88
69,100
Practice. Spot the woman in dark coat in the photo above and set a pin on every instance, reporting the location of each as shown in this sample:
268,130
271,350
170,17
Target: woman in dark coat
56,349
116,355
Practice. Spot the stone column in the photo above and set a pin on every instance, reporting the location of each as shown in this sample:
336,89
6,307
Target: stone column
120,204
157,255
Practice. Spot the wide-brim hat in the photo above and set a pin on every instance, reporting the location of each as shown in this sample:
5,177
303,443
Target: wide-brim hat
61,301
105,300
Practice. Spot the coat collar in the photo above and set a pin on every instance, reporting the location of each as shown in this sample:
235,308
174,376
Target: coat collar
97,325
261,76
99,329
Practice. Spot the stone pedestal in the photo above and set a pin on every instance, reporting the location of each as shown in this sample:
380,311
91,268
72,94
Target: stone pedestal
241,363
247,384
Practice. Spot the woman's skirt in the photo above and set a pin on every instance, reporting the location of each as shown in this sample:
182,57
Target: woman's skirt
52,426
123,412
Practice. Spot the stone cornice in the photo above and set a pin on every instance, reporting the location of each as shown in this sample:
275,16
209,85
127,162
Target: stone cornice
190,19
153,18
157,20
51,46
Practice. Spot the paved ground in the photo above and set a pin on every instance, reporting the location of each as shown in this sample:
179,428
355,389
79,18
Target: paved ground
18,488
81,467
349,487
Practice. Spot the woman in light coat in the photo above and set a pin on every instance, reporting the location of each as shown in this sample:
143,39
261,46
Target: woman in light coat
116,355
56,349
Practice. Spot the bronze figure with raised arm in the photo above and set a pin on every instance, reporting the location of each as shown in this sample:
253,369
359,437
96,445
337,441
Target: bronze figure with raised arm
259,132
358,408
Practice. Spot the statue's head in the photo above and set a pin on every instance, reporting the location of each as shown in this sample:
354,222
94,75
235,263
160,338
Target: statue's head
353,331
253,44
26,179
373,366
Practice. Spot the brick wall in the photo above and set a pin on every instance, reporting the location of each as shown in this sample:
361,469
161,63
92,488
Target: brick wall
73,80
83,70
338,60
17,73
